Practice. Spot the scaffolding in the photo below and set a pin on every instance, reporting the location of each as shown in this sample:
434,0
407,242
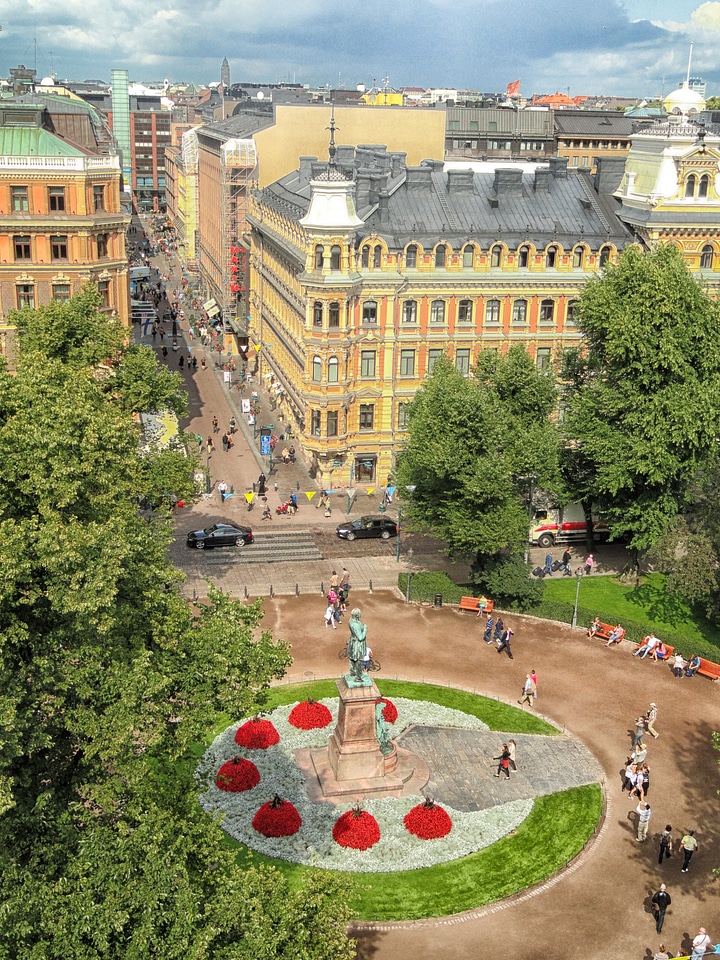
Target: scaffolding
239,171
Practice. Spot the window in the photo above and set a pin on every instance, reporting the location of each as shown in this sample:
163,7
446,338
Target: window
367,364
579,257
519,311
437,311
547,311
367,416
104,291
402,417
332,423
706,258
335,252
570,313
61,292
317,313
440,255
433,356
523,256
604,256
25,296
690,186
369,312
20,203
377,257
542,358
333,367
99,197
334,314
496,255
453,124
102,245
58,248
474,125
318,257
407,363
23,248
551,257
462,361
315,419
468,256
409,311
585,162
465,311
492,311
365,257
411,257
317,369
703,186
574,160
56,199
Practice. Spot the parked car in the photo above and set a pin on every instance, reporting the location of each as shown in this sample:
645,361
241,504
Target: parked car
383,527
221,534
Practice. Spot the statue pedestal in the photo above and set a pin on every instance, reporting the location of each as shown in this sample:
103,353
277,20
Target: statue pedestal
352,765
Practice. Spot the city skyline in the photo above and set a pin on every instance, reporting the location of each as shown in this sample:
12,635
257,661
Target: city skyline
639,48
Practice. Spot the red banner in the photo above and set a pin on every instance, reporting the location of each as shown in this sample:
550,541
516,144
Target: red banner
513,89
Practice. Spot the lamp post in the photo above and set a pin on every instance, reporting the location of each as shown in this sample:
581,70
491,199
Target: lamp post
578,578
397,543
409,574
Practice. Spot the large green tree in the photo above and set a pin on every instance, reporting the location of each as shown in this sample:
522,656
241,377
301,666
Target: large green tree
475,448
108,680
643,395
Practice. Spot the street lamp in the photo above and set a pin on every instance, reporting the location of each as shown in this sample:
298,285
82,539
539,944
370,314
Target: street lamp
409,574
578,578
397,544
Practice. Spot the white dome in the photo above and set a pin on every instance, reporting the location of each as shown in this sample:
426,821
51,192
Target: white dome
47,82
684,101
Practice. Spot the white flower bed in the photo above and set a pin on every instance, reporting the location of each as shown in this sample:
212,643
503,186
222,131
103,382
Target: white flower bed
313,844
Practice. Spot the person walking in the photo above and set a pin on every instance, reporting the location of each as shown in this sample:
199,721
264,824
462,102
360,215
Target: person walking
216,428
225,444
499,627
504,764
662,900
665,843
643,811
505,643
662,953
203,363
700,943
334,580
639,731
565,562
512,750
650,718
533,677
345,580
330,616
489,624
233,425
210,445
689,845
222,490
589,564
164,352
527,693
181,361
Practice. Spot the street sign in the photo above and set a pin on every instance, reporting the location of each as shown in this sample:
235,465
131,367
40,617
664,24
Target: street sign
265,446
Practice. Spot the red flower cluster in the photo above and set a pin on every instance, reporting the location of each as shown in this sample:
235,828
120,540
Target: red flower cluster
277,819
358,830
257,734
310,715
237,775
428,821
390,713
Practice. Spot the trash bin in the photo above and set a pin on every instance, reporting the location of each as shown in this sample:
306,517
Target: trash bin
438,600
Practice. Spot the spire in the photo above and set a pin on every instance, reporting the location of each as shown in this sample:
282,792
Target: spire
687,79
331,146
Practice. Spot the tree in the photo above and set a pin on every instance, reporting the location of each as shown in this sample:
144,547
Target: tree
643,395
108,680
712,103
474,448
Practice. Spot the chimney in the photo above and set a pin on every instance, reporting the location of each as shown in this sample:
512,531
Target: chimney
397,164
609,174
558,167
362,188
542,180
418,179
384,209
508,182
460,181
305,169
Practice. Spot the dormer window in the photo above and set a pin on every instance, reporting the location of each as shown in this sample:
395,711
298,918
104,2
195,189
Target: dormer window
440,256
377,257
706,257
496,255
318,257
550,256
335,253
690,185
703,185
411,257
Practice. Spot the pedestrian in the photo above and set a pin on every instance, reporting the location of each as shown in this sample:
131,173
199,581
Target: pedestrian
194,363
533,677
216,428
589,564
650,718
499,627
330,616
678,665
645,773
262,484
527,692
512,750
164,352
489,624
639,731
203,363
662,901
565,563
630,778
665,843
181,361
700,944
225,444
334,580
233,425
662,953
154,332
210,445
285,454
643,811
345,580
161,331
504,764
222,490
689,845
639,753
505,643
548,568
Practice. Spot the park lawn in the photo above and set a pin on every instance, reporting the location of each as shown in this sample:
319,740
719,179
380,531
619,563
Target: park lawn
648,604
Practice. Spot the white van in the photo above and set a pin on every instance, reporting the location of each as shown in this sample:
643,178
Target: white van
139,273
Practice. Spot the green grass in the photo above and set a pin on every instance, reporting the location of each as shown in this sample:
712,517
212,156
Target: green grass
556,830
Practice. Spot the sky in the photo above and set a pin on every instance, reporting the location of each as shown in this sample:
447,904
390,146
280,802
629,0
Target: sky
635,48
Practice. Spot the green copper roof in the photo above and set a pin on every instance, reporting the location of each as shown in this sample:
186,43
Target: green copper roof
34,142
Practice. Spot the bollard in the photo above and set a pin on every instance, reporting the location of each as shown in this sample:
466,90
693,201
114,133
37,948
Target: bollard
247,595
322,587
272,593
232,489
297,485
194,599
437,602
297,589
371,590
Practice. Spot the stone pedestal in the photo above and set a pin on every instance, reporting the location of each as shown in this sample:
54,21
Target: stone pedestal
353,749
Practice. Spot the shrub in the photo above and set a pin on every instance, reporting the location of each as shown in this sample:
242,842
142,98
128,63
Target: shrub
425,584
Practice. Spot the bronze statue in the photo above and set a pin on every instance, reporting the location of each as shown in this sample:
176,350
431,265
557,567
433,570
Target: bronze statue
356,648
382,730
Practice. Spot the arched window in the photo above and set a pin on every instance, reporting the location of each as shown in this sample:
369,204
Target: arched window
437,311
496,255
519,313
523,256
369,311
365,257
409,311
604,256
318,257
690,185
570,313
411,257
334,314
579,257
551,257
317,313
465,311
317,369
468,256
335,252
440,255
706,257
547,311
492,311
703,185
377,257
333,370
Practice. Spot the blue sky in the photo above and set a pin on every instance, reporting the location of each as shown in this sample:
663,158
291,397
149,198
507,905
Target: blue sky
632,48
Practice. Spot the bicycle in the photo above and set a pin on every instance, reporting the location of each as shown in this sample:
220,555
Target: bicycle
371,666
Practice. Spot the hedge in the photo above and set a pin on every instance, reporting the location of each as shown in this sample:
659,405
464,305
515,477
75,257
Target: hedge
425,584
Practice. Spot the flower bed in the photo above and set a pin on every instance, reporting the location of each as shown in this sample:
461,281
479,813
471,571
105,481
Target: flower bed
277,818
356,829
390,713
237,776
310,715
257,734
428,821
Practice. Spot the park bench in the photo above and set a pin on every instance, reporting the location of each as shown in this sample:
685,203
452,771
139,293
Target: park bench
709,669
473,603
603,631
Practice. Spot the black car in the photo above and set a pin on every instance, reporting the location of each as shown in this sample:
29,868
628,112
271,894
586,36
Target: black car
382,527
221,534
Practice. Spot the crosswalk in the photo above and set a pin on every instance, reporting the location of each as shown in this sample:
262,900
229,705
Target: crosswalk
269,546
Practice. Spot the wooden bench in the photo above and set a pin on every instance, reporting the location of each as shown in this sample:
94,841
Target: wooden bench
603,631
473,603
709,669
